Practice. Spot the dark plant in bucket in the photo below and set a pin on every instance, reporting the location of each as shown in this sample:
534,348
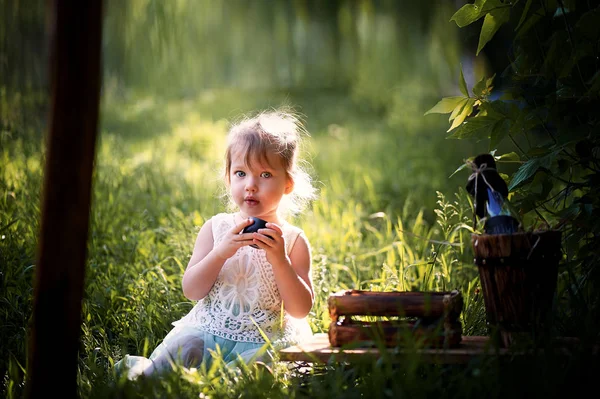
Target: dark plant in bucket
490,194
518,269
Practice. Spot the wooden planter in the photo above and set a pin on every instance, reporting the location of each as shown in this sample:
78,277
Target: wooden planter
428,317
518,274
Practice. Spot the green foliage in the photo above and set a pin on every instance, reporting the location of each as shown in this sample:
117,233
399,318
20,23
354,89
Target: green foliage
495,13
356,46
157,179
547,107
377,224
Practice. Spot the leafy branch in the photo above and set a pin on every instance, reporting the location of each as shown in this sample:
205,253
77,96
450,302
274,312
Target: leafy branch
547,109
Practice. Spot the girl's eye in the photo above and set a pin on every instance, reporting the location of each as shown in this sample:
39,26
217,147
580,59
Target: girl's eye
265,174
239,173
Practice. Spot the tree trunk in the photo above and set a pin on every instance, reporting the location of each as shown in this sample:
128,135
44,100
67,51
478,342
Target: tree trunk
75,74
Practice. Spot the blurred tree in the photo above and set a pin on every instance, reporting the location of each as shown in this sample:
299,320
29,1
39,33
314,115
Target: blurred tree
23,44
186,46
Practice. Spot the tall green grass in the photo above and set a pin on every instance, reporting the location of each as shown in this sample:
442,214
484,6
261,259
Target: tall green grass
157,180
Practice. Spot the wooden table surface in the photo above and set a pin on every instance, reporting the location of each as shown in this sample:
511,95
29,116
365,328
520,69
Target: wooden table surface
318,350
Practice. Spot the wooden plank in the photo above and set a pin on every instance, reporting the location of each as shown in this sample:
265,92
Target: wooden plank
75,75
395,303
393,333
318,350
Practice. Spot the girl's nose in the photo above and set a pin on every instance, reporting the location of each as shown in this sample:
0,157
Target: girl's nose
250,185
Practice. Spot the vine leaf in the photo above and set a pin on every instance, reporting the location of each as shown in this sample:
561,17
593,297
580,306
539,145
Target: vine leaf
595,84
479,127
529,22
499,132
470,13
445,105
466,15
458,109
461,167
462,84
484,87
524,15
588,26
492,22
530,168
508,157
466,111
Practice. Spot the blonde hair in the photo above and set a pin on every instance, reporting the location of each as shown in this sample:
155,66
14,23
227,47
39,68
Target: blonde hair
274,132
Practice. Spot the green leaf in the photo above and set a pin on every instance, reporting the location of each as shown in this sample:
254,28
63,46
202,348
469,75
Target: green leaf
588,25
583,50
529,169
445,105
458,108
499,132
466,15
510,157
524,15
479,88
466,111
531,21
571,212
461,167
536,186
594,84
526,120
462,84
558,50
470,13
479,127
538,152
492,22
500,109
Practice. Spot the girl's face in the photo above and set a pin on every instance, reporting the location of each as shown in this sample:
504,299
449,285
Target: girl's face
258,188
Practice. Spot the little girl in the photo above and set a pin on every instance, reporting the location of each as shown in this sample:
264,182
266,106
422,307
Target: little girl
242,290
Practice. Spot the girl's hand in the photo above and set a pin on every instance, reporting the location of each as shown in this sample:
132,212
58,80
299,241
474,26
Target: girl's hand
271,240
233,240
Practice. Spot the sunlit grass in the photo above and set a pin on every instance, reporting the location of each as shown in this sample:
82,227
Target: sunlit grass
152,194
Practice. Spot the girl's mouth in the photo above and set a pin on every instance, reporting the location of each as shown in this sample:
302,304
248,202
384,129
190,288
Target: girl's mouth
251,201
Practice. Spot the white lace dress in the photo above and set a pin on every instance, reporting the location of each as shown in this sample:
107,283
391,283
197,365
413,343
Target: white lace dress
244,299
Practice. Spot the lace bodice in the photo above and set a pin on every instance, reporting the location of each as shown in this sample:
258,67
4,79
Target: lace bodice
246,293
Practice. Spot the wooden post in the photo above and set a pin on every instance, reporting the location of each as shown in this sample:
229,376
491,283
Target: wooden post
75,75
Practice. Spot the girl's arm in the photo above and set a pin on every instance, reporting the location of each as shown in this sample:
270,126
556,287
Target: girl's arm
206,261
292,275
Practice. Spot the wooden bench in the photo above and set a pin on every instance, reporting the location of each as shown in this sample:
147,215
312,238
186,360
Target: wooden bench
432,318
319,350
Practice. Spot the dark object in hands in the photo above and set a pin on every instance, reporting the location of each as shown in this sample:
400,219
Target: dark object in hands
254,227
485,175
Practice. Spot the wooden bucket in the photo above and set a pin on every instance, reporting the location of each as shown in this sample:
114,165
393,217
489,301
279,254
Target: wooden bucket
518,274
